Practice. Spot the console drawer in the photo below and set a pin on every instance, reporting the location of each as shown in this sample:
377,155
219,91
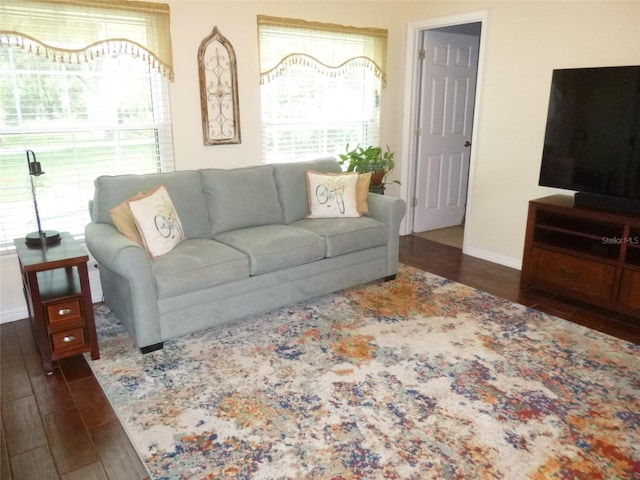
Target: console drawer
569,274
630,289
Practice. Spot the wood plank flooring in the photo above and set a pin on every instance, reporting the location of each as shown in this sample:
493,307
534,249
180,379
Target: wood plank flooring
62,427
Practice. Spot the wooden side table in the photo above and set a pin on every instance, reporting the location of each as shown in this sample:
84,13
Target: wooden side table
56,287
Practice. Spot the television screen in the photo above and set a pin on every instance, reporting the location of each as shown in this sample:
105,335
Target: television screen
592,138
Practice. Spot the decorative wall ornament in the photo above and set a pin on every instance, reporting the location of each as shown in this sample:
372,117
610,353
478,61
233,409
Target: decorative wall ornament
218,90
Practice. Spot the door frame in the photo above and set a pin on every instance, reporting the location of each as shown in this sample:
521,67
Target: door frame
411,94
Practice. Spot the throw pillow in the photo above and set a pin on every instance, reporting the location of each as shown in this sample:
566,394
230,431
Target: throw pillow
157,221
123,219
362,192
332,195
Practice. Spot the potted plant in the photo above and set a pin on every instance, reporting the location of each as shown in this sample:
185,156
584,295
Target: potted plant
370,159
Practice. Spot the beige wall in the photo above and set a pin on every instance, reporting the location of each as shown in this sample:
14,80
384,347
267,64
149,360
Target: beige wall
523,42
191,21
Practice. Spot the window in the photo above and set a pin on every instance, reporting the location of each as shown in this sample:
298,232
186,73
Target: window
320,87
84,112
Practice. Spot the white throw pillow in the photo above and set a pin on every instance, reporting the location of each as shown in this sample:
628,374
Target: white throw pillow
157,221
332,195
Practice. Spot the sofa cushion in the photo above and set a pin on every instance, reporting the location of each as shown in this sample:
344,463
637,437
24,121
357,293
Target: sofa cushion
197,264
184,187
241,198
344,235
275,247
291,181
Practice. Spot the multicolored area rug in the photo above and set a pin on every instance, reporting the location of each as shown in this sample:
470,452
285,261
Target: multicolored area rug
419,378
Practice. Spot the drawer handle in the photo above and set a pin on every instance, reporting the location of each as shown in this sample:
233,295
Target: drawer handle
570,273
64,311
68,338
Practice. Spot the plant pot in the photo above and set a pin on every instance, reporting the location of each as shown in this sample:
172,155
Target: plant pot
377,177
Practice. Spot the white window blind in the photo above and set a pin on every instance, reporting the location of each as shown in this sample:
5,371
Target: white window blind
84,112
320,87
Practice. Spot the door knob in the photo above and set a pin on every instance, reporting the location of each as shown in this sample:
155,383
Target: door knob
467,143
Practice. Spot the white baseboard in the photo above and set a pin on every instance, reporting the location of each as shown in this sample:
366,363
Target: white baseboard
15,314
492,257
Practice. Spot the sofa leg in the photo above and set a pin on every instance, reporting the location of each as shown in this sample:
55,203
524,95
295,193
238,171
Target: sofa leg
152,348
390,278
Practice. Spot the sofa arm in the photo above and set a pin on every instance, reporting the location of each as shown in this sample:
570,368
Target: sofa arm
127,281
115,251
391,211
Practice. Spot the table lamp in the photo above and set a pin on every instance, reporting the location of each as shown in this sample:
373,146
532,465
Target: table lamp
41,237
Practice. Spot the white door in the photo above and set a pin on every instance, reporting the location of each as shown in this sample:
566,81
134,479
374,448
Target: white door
447,94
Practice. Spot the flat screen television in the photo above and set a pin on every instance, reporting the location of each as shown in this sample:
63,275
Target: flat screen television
592,137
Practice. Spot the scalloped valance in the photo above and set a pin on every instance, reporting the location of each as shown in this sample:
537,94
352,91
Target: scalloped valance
73,31
330,49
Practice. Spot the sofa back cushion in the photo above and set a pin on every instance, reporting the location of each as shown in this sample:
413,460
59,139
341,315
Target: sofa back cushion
291,181
184,188
241,198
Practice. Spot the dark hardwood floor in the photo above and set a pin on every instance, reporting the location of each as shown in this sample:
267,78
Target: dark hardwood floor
61,426
504,282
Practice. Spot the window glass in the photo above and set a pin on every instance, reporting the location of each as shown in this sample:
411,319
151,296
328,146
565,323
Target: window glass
305,115
104,117
320,87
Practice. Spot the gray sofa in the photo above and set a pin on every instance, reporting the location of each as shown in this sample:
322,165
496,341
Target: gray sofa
249,248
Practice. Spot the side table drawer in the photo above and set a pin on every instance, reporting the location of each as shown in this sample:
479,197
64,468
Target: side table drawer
68,339
64,311
571,274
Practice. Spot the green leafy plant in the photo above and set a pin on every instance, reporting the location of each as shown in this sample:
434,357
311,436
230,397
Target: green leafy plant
369,159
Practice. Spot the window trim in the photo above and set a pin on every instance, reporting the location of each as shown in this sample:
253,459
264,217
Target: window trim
39,27
273,64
